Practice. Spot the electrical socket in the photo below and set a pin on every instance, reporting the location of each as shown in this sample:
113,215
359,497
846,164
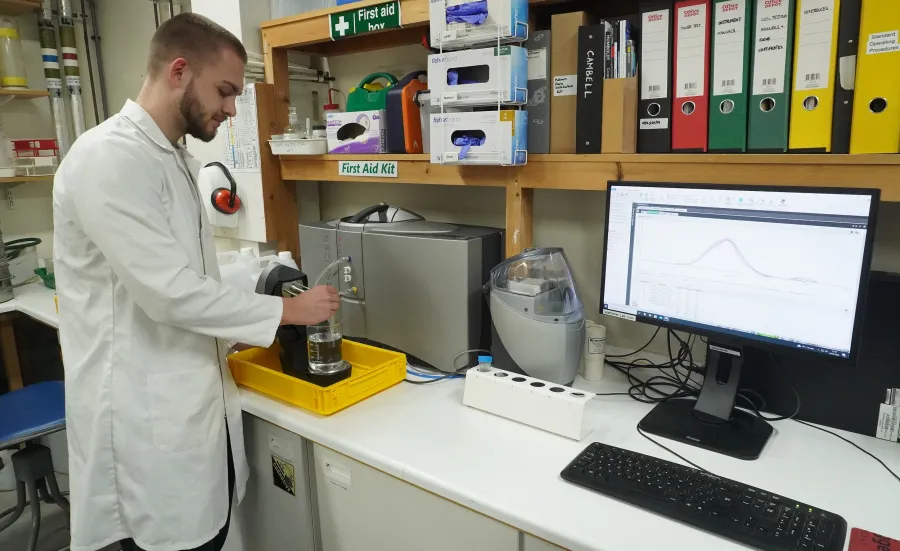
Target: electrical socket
10,203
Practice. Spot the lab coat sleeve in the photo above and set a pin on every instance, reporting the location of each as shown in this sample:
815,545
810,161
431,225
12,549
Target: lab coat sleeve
120,208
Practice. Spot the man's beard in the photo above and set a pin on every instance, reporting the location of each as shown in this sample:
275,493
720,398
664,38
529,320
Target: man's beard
194,117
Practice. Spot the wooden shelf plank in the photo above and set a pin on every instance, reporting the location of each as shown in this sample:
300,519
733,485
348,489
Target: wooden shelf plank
310,31
26,179
24,94
19,7
411,169
592,172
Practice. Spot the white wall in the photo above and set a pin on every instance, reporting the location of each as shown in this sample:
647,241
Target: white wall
569,219
33,215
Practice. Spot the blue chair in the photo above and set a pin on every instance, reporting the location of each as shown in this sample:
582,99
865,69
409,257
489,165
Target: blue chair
27,414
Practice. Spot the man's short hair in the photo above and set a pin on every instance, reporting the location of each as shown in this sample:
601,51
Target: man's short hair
193,37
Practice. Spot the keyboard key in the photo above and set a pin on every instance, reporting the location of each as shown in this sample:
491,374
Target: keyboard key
823,539
762,532
771,511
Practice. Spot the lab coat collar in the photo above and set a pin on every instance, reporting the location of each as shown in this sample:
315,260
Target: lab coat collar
142,119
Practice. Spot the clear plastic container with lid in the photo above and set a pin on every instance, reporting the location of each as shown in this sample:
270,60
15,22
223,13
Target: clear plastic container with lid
12,63
544,277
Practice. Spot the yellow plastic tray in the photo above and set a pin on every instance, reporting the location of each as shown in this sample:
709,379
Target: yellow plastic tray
374,369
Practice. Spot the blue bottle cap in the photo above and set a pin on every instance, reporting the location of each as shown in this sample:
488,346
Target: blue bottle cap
485,359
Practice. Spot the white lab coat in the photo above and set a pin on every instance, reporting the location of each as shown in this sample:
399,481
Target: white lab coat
140,311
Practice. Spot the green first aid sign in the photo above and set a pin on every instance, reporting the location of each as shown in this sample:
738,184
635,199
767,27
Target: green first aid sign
365,20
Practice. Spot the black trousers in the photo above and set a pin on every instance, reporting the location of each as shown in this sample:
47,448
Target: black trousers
217,542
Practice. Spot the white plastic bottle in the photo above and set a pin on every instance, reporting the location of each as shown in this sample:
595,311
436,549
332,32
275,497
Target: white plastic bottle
485,363
594,352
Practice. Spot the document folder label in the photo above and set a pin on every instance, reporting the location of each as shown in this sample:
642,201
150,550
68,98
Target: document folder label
655,55
771,47
813,68
882,43
691,70
565,85
653,124
728,64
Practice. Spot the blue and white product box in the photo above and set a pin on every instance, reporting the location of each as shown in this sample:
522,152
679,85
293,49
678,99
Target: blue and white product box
480,137
357,132
479,77
463,23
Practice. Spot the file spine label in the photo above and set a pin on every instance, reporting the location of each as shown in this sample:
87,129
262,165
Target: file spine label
655,55
691,48
728,63
882,43
771,44
813,70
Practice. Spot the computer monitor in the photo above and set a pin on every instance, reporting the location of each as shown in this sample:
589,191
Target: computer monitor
746,266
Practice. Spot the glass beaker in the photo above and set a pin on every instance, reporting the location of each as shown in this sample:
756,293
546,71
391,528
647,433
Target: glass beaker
324,343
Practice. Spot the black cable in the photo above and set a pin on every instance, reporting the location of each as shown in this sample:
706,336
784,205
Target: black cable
659,388
797,401
691,463
836,435
641,349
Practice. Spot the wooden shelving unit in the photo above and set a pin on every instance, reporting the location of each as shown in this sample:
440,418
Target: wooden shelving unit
19,7
592,172
26,179
309,32
24,94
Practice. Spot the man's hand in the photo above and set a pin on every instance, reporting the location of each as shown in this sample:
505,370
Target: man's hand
311,307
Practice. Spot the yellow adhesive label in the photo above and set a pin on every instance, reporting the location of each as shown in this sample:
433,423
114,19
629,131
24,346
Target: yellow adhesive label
510,117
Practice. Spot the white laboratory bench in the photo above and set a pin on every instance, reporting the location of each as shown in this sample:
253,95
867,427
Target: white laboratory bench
36,301
510,472
424,436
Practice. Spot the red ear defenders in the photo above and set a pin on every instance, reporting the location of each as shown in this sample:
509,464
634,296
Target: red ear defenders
225,200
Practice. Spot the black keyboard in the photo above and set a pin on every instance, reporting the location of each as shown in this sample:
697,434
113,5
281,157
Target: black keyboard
724,507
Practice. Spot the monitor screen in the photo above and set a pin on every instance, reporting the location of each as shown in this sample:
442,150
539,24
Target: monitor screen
783,267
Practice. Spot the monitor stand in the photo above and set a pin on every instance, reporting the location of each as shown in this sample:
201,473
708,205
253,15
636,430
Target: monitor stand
711,421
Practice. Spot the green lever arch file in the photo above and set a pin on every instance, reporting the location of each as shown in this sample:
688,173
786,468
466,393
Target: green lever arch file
730,86
771,67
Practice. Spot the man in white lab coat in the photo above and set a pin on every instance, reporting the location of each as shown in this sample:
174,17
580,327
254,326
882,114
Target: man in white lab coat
150,405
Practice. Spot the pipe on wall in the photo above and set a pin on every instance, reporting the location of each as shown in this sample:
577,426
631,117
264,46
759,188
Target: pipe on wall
84,27
52,74
101,75
69,48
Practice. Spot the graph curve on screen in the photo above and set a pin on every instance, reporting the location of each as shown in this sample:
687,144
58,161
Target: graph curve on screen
740,255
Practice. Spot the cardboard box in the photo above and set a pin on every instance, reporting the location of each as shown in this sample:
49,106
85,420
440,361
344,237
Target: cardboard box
620,100
357,132
538,47
503,135
494,75
509,17
564,71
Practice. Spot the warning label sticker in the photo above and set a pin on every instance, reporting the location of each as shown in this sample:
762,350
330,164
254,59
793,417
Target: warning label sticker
283,475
